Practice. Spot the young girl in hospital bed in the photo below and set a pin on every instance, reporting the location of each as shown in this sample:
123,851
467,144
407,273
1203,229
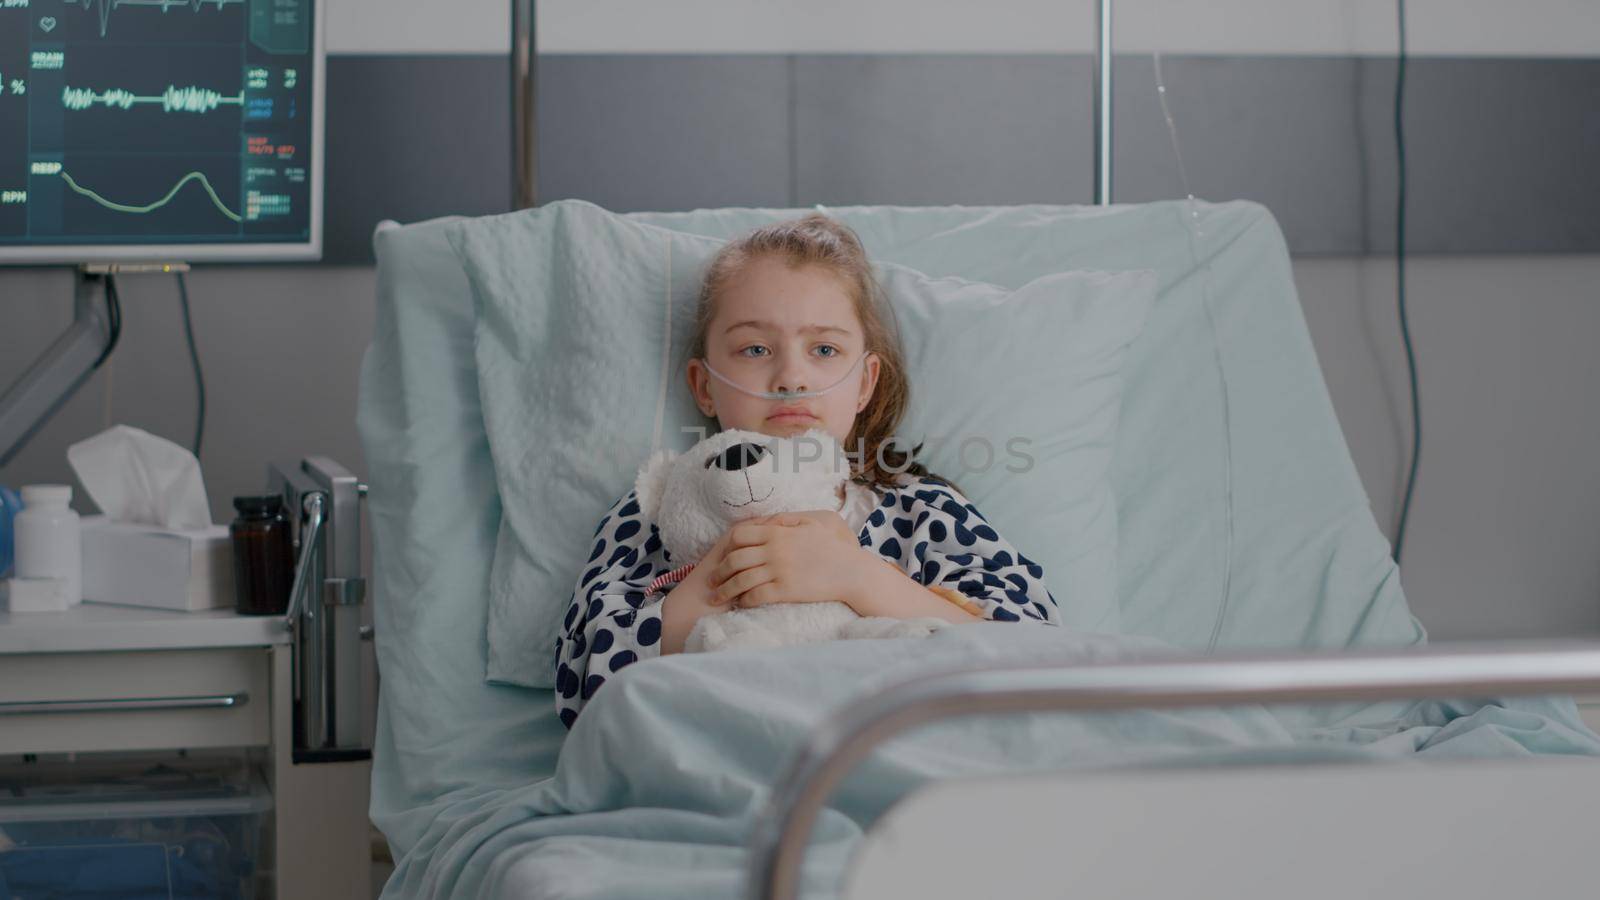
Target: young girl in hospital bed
790,335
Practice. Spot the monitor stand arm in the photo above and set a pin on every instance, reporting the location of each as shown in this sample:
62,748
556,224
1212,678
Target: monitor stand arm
58,373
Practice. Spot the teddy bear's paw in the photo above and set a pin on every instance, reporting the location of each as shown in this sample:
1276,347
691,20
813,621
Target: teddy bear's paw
749,639
704,633
924,627
885,628
712,633
730,631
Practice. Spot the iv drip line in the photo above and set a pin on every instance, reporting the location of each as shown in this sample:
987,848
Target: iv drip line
1177,150
1196,234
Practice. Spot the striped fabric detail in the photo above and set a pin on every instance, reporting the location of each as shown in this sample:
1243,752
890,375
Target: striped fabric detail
673,577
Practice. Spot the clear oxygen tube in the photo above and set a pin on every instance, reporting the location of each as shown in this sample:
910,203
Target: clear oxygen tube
784,395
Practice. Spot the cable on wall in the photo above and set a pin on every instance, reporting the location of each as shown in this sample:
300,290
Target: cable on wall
113,320
194,361
1400,282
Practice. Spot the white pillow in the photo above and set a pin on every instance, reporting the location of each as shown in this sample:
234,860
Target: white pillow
1016,392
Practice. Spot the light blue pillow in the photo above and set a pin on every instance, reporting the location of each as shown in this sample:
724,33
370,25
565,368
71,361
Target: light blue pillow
1016,391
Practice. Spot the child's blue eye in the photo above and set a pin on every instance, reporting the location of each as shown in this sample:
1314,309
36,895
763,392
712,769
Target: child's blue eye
753,350
828,351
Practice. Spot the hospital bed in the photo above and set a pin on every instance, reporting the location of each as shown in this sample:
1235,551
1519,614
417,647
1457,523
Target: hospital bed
1265,720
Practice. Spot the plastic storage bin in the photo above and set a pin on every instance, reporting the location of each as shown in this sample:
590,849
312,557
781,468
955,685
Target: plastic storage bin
159,834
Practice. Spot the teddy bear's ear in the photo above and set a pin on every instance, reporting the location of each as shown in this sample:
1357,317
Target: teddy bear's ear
652,482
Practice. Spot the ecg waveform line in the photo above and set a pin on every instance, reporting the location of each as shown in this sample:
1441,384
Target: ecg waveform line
151,207
108,6
189,99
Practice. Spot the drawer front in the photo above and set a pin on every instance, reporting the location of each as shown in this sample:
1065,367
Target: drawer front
160,700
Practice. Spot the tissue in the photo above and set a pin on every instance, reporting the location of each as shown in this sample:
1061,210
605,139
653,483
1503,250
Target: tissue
136,477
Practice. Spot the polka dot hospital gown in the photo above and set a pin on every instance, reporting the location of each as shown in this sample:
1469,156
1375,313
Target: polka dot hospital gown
924,526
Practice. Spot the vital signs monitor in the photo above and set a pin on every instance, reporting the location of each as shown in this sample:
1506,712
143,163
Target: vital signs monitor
148,130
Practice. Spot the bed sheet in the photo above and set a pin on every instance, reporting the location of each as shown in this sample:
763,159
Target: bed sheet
656,789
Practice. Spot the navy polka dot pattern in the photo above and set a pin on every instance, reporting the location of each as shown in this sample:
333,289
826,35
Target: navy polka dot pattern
611,621
924,526
935,535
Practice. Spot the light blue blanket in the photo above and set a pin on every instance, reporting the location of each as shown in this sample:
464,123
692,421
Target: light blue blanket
654,793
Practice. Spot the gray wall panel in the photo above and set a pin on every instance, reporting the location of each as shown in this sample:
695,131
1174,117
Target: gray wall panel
918,130
1283,132
1501,150
410,138
1505,154
664,132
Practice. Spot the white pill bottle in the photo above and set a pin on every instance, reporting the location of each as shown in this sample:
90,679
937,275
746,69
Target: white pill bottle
49,544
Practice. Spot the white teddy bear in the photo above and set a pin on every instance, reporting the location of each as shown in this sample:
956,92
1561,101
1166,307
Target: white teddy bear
694,496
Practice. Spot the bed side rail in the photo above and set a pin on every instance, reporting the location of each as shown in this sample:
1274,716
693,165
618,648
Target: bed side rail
778,842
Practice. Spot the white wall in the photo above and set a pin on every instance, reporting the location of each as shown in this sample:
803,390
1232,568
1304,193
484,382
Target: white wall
280,346
1439,27
1504,538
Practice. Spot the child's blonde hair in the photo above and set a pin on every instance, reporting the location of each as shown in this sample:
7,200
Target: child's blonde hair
819,240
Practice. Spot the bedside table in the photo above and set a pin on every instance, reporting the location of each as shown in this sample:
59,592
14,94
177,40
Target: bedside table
102,678
1589,709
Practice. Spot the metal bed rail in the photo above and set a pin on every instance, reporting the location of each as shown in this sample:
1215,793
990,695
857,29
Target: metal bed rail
778,841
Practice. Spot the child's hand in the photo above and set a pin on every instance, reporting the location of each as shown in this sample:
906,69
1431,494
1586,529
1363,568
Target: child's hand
692,598
806,557
700,584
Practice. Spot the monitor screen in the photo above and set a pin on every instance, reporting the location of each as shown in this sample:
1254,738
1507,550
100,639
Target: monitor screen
152,130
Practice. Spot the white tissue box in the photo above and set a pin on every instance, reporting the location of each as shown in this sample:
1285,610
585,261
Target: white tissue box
143,565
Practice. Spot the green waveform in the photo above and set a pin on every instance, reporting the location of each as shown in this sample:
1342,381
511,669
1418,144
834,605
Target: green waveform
150,207
106,7
191,99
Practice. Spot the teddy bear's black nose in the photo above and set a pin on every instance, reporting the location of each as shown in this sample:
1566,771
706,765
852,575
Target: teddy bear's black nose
737,457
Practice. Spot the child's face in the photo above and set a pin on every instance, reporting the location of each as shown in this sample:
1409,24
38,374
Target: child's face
782,329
